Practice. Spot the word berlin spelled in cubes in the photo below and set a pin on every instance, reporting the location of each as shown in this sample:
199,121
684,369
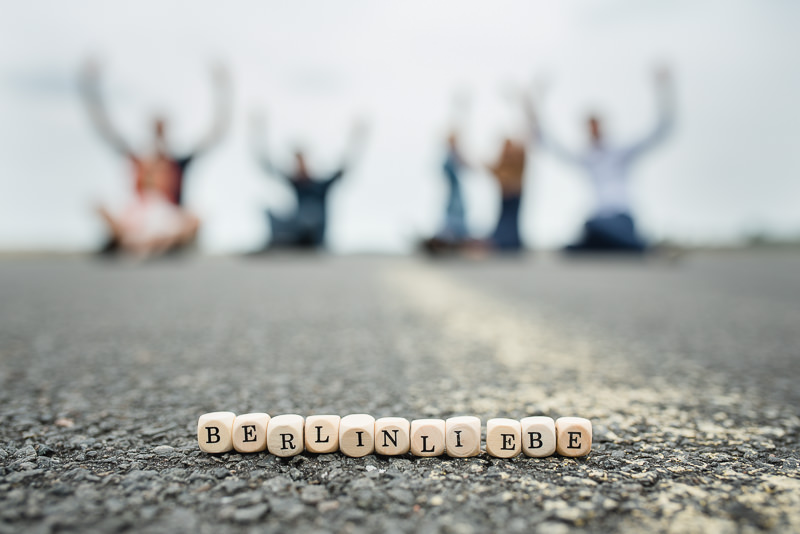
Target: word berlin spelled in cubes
360,434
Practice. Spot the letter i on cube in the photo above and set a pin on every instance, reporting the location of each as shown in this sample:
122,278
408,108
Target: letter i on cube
357,435
463,436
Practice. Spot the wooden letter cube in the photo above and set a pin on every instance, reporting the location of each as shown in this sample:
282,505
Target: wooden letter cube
285,435
503,437
214,431
250,432
427,437
357,435
538,436
392,436
322,433
573,436
463,436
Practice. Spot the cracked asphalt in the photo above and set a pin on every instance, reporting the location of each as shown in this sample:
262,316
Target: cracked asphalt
687,369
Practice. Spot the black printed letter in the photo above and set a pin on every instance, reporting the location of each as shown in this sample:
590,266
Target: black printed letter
249,433
387,436
214,434
536,442
319,436
425,445
573,440
508,442
286,439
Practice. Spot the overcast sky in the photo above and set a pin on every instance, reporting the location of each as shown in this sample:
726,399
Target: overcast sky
731,167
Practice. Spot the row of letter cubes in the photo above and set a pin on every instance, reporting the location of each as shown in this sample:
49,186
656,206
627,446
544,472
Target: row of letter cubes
360,434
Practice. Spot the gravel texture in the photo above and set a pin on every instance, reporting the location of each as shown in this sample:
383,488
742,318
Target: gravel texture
688,371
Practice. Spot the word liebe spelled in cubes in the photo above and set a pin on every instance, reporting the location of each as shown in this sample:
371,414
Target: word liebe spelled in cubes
358,435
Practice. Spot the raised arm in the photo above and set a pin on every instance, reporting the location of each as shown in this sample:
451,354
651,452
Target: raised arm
547,142
666,111
536,134
355,145
460,107
90,90
222,109
258,145
455,157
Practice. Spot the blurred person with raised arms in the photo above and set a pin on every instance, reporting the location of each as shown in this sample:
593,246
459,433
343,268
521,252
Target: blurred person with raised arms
156,221
611,226
306,226
509,172
453,233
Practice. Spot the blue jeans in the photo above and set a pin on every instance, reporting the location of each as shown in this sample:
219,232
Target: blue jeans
296,232
506,233
454,229
610,233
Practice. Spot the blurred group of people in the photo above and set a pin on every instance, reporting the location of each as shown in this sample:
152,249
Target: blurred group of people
609,228
156,221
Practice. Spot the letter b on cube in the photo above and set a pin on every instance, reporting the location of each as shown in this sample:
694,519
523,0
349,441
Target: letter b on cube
538,436
214,432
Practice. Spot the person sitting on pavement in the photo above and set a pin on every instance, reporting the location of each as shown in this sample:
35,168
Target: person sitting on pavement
151,225
611,227
156,220
306,227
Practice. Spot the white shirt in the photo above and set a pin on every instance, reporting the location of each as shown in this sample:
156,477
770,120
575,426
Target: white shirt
609,167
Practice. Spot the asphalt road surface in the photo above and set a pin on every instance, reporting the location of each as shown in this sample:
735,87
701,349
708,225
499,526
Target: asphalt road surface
688,370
